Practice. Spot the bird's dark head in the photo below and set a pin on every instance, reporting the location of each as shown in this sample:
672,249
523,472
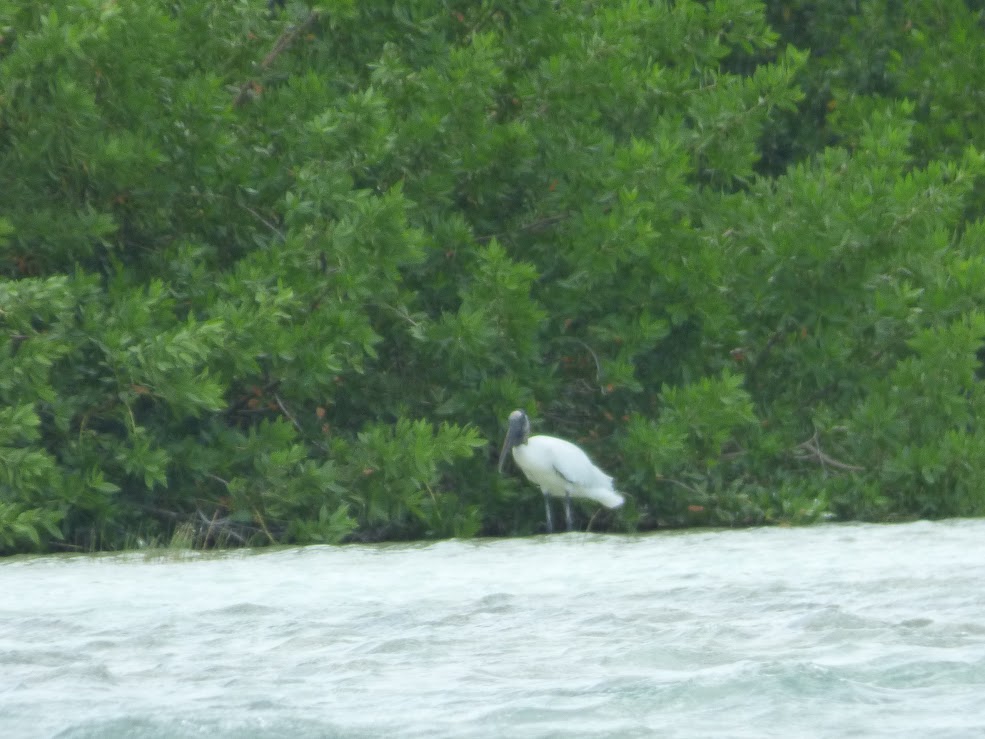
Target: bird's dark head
517,434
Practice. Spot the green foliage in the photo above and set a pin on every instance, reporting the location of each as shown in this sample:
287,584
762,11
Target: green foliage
680,456
867,54
331,527
280,276
22,529
395,469
925,454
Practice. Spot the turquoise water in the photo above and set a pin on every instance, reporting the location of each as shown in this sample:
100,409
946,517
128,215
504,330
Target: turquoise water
839,630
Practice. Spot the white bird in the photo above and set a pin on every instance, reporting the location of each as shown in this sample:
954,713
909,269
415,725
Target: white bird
558,467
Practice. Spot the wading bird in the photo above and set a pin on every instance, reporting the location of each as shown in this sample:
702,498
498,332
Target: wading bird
558,467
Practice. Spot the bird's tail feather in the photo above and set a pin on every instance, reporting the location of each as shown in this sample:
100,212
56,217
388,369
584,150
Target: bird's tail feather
606,496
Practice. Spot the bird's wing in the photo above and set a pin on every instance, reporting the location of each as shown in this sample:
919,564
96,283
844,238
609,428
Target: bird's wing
573,465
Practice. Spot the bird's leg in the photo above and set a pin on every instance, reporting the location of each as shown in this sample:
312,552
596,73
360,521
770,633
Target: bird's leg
547,507
567,511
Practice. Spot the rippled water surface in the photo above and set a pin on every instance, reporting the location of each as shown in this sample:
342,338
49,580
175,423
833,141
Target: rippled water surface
828,631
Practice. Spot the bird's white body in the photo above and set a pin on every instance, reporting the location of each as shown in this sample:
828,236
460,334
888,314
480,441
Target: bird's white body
560,468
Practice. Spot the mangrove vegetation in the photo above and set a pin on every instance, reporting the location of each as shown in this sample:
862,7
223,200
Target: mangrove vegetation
275,273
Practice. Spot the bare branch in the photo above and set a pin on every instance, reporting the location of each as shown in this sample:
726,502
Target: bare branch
811,450
217,479
263,220
263,525
284,41
537,225
287,413
680,484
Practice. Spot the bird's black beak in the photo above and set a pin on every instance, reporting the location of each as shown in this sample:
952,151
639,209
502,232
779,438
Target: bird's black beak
508,443
514,436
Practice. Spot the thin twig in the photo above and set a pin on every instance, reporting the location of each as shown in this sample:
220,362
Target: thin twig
263,220
224,524
204,533
813,446
263,525
401,313
598,364
284,41
588,528
297,425
159,511
533,226
287,413
66,545
681,484
217,479
208,533
232,533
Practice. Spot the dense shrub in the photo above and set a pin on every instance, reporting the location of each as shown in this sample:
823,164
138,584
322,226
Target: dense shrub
279,275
